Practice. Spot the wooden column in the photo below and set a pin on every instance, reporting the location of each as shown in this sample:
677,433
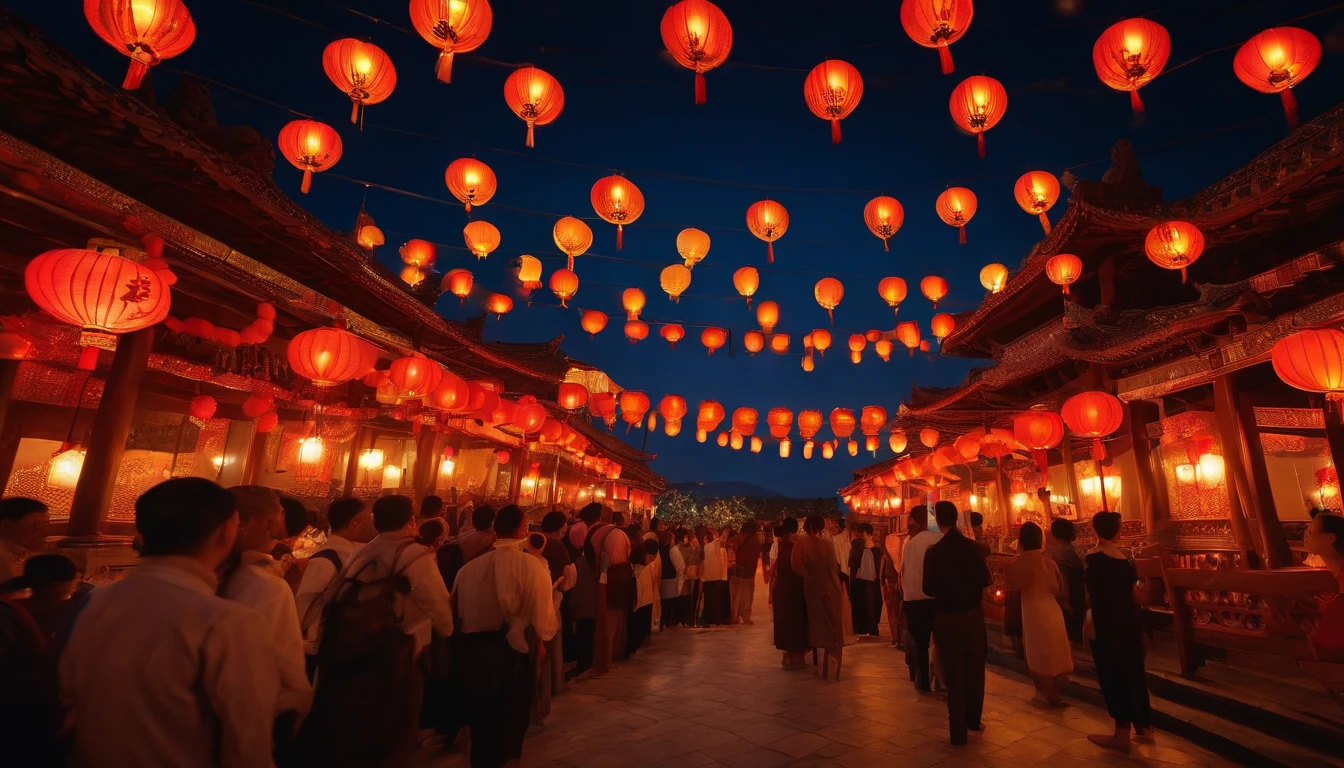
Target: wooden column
256,457
352,463
516,480
422,476
1070,473
1334,434
1276,553
1239,489
107,437
9,422
1005,495
1151,505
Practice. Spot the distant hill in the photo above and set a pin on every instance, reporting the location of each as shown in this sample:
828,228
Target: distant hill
726,488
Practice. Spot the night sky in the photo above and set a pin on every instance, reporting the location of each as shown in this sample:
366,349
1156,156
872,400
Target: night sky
629,108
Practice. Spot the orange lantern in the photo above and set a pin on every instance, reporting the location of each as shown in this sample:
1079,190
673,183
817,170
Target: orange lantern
481,237
924,345
994,277
884,216
883,349
310,146
756,444
937,24
412,276
203,407
808,364
785,448
675,279
459,283
941,326
897,442
1039,431
832,91
871,419
955,207
780,421
744,421
368,235
1129,54
1093,414
1063,269
452,26
328,356
746,280
636,331
723,439
768,221
892,290
502,456
418,253
1174,245
828,292
767,314
634,405
908,334
452,394
1036,192
977,105
673,333
470,181
618,202
842,422
779,343
603,406
928,437
592,321
821,340
499,305
708,416
534,96
529,272
572,237
856,344
693,245
1276,60
698,36
414,377
571,395
530,415
809,422
713,338
565,284
1312,361
735,440
148,31
827,450
552,432
361,71
672,407
754,341
934,289
633,301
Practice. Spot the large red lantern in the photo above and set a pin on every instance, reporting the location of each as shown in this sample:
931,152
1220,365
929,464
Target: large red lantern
328,356
471,181
699,37
842,422
956,206
603,406
779,343
744,421
977,105
452,26
1064,269
832,91
828,292
1036,192
1039,431
310,146
1093,414
768,221
884,216
937,24
1312,361
361,71
593,321
1275,61
634,405
415,376
618,202
572,395
530,416
780,421
148,31
1174,245
452,394
535,97
1129,54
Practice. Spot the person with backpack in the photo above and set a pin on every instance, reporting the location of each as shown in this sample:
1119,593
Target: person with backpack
351,527
607,550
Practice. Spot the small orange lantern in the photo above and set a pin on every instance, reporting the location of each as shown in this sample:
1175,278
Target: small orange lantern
499,305
572,237
871,419
723,439
708,416
809,422
1174,245
832,91
883,349
482,238
977,105
414,377
418,253
693,246
459,283
994,277
603,406
744,421
756,444
412,276
564,284
754,342
634,405
908,334
713,338
1276,60
785,448
1036,192
827,450
842,422
699,37
535,97
470,181
592,320
675,279
746,280
884,216
148,31
892,290
1093,414
897,442
928,437
572,395
636,331
856,345
310,146
1129,54
633,300
821,340
452,26
808,364
673,333
618,202
1063,269
768,221
941,326
828,292
1312,361
361,71
780,421
767,315
934,289
529,272
955,207
779,343
937,24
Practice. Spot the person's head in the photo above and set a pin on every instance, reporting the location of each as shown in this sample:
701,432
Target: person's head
650,550
431,506
708,535
483,517
261,518
394,513
296,517
814,524
189,517
977,520
553,524
865,530
433,531
617,519
510,523
788,525
591,513
919,519
1107,525
680,535
23,521
653,525
945,513
750,528
1063,530
50,576
1325,536
1030,537
351,520
535,544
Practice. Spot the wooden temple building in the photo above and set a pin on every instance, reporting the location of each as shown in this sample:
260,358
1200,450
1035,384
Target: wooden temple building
211,390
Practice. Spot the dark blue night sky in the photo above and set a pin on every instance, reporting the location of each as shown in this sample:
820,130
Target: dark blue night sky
629,108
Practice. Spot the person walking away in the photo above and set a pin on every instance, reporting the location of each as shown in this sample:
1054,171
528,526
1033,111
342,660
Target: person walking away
955,576
1059,548
1118,647
646,572
502,596
481,535
767,555
787,601
864,590
714,581
1041,586
23,530
918,605
608,552
560,569
673,576
430,507
351,528
892,594
196,681
584,594
743,583
813,559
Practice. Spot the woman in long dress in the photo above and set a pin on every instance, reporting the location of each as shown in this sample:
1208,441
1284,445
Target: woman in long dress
1040,584
787,602
813,558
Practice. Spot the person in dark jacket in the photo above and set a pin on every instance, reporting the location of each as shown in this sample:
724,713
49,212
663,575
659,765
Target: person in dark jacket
1118,647
1059,547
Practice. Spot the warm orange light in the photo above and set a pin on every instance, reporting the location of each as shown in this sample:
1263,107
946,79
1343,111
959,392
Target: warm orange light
809,422
871,420
785,448
412,276
148,31
753,341
708,415
713,338
418,253
572,237
808,364
636,331
482,238
779,343
941,326
842,422
892,290
675,279
832,90
693,246
1036,193
857,343
956,206
897,442
592,321
459,283
1129,54
978,104
1064,269
767,315
1093,414
994,277
310,146
634,404
768,221
928,437
672,333
908,334
828,292
529,272
808,446
452,26
360,70
821,340
535,97
934,289
564,284
499,305
699,37
672,407
746,280
884,216
1312,361
98,291
414,377
470,181
744,421
617,201
883,348
572,395
937,24
723,439
632,299
780,422
1275,61
827,450
1174,245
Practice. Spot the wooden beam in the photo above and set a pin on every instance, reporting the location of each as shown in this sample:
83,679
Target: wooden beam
1239,491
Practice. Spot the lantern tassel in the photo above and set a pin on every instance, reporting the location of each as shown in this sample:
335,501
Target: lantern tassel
1136,103
1098,450
831,314
88,358
1066,289
354,113
468,210
1182,275
1289,107
443,69
699,88
835,130
620,230
961,235
529,135
134,74
307,181
886,246
980,144
1045,223
945,58
571,263
770,252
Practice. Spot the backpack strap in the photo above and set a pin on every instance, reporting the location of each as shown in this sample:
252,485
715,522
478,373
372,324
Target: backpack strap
330,556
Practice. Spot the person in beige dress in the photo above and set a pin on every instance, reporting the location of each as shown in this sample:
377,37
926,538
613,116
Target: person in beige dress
1037,578
813,558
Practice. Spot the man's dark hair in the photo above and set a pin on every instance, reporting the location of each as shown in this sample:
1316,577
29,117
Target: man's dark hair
865,528
342,511
1332,524
919,515
536,540
483,517
680,535
617,519
788,525
392,513
750,527
1029,537
814,524
296,516
431,506
653,524
508,520
1106,524
945,512
591,513
178,516
431,529
977,519
16,508
1064,530
45,569
650,547
553,521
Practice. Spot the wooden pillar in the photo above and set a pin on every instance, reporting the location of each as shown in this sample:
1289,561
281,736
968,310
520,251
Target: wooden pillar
1334,433
256,457
516,479
352,463
422,476
9,421
1276,553
1239,488
107,437
1151,506
1070,473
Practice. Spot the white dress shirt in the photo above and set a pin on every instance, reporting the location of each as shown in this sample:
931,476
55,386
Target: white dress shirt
912,564
867,564
427,606
841,542
317,576
256,585
646,583
669,588
509,585
161,672
715,567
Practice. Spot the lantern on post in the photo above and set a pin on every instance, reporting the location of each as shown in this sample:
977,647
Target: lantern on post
672,333
310,146
1312,361
572,237
892,290
713,338
693,246
1036,193
699,37
768,221
481,237
564,284
937,24
1064,269
746,280
956,206
675,279
452,26
1174,245
1129,54
148,31
361,71
994,277
832,91
470,181
618,202
977,104
1275,61
593,321
535,97
828,292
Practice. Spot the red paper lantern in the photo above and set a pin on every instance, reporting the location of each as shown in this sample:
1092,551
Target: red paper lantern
1039,431
692,246
744,421
593,321
842,422
1312,361
502,456
832,91
708,416
753,341
977,105
908,334
481,237
310,146
530,415
564,284
871,419
956,206
828,292
768,221
821,340
934,289
1275,61
459,283
634,404
418,253
202,407
535,97
257,405
148,31
414,377
941,326
452,26
99,292
603,406
1036,192
618,202
780,421
937,24
1174,245
1129,54
713,338
327,356
361,70
884,216
1093,414
452,394
572,395
672,333
498,305
471,181
892,290
636,331
672,407
779,343
809,422
268,422
1064,269
699,37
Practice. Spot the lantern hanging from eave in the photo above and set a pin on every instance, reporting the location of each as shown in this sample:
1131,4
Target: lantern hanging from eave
977,104
708,415
897,442
892,290
530,416
1129,54
360,70
746,280
593,321
928,437
564,284
699,37
470,181
713,338
529,272
418,253
884,216
753,342
780,422
883,348
148,31
603,406
872,418
535,97
1039,431
842,422
934,289
327,356
571,395
828,292
452,394
572,237
1312,361
1275,61
1064,269
767,315
937,24
498,305
415,376
1174,245
481,237
1093,414
832,90
768,221
994,277
779,343
956,206
941,326
310,146
809,422
693,246
633,300
821,340
672,333
617,201
634,404
636,331
744,421
452,26
675,279
552,432
1036,193
908,334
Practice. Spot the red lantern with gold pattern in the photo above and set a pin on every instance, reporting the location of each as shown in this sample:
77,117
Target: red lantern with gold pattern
470,181
100,292
884,216
618,202
148,31
768,221
1174,245
362,71
832,90
956,206
978,104
1275,61
1036,193
1129,54
452,26
699,37
535,97
1064,269
310,146
1093,414
937,24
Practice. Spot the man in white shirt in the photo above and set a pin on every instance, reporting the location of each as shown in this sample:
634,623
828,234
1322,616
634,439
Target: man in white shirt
500,592
918,605
158,670
351,528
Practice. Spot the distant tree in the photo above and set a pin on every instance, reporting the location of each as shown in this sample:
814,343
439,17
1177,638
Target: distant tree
685,510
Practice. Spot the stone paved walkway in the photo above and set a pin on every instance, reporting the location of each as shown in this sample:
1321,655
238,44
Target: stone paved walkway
718,698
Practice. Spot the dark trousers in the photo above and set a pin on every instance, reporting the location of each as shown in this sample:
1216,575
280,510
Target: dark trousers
961,651
1124,683
497,687
639,628
919,614
583,644
716,602
865,601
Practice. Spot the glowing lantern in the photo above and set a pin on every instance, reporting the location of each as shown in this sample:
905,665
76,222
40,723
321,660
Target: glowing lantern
415,377
530,415
1212,469
256,405
828,292
499,305
871,419
884,216
937,24
502,456
883,349
713,338
593,321
327,356
698,36
1039,431
693,245
977,105
779,343
470,181
735,440
534,96
202,407
744,421
934,289
634,404
821,340
842,422
1093,414
808,364
967,446
453,26
360,70
756,444
897,442
1129,54
1276,60
369,236
618,202
148,31
481,237
1312,361
767,314
780,421
1174,245
603,406
310,146
994,277
633,300
418,253
827,450
636,331
675,279
746,280
832,90
452,394
564,284
723,439
529,271
1036,192
672,407
572,237
1064,269
412,276
754,341
856,344
708,416
892,290
672,333
955,207
808,447
941,326
928,437
785,448
768,221
571,395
